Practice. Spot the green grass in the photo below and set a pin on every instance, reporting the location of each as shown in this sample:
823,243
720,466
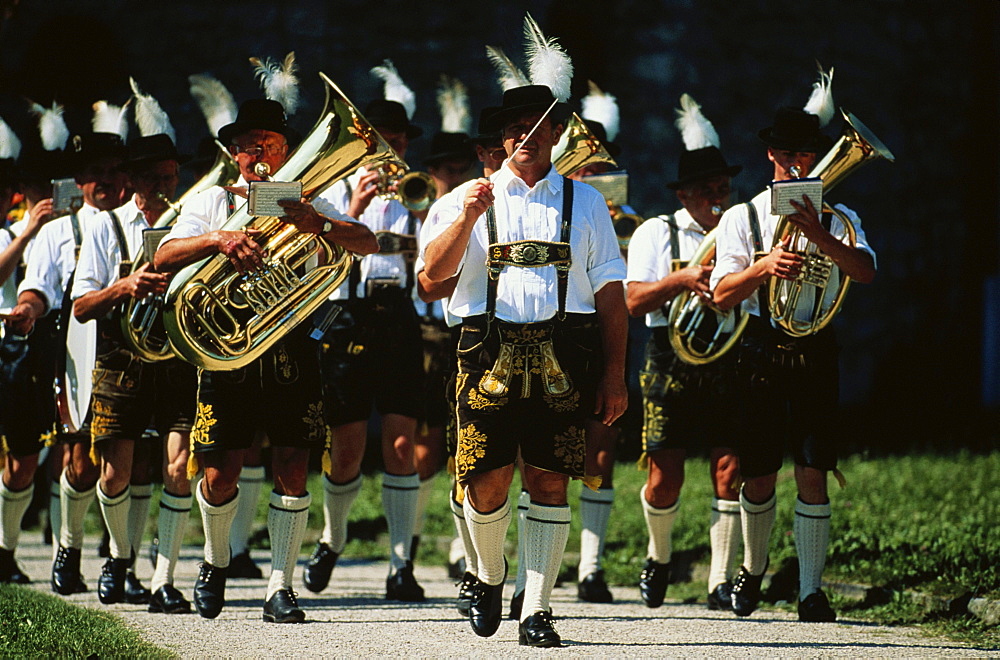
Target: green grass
37,625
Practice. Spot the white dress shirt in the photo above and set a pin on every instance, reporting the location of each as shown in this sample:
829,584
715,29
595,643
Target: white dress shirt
429,230
735,249
649,252
8,290
52,259
526,295
101,254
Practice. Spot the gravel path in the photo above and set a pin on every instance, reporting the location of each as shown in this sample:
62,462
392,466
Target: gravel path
351,618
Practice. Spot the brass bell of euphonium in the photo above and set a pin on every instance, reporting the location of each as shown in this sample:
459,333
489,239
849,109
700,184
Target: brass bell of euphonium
414,190
856,146
140,320
578,147
220,320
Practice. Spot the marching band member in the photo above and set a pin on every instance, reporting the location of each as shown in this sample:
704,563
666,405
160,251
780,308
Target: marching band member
130,394
383,338
280,393
523,318
787,387
684,404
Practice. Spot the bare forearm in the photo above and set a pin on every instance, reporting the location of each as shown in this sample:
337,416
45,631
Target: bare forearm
98,304
856,264
737,287
612,316
429,291
444,253
174,255
352,236
644,297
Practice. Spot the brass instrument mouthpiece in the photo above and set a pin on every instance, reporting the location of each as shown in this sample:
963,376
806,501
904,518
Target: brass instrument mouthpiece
795,171
716,210
262,169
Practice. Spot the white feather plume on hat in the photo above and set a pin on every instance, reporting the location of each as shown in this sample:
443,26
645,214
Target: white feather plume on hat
110,119
215,101
149,116
395,89
453,101
601,107
508,75
10,146
278,80
51,126
696,131
548,63
820,102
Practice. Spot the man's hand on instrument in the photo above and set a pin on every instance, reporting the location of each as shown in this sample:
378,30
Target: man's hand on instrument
807,219
363,194
478,198
144,282
696,277
241,249
21,319
782,263
302,215
612,399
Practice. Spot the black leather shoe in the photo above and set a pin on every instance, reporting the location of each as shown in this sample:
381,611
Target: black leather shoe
721,598
653,582
168,600
537,630
401,585
457,569
593,589
282,607
242,566
210,590
466,592
10,572
816,608
317,572
746,592
66,578
111,584
486,610
516,603
135,593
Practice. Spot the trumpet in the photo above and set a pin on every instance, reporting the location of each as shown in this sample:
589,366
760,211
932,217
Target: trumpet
414,190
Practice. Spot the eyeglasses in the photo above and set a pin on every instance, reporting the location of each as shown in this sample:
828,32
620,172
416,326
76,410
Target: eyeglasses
257,150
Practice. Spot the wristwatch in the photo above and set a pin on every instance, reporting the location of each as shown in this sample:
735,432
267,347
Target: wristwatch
327,227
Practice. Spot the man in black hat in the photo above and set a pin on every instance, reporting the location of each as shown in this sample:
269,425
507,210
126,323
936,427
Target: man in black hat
683,403
786,387
129,393
380,335
548,303
280,393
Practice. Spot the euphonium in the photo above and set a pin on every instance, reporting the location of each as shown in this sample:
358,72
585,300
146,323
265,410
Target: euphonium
414,190
857,145
579,147
625,224
140,320
220,320
699,331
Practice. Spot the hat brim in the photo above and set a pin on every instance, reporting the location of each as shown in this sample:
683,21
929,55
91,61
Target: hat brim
499,118
230,131
442,156
816,144
730,171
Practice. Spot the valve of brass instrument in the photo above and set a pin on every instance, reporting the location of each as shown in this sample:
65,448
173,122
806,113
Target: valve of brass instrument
414,190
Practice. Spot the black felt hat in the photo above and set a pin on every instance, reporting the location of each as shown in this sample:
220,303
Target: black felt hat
795,129
597,128
38,166
151,149
485,137
257,115
381,113
699,164
521,100
450,146
89,147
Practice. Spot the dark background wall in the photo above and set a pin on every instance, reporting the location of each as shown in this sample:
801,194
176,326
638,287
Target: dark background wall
919,360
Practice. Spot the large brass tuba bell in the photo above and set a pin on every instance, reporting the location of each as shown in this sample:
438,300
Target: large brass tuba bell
414,190
579,147
140,319
800,315
220,320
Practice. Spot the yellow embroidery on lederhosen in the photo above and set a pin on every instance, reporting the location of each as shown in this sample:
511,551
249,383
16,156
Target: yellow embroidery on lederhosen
203,421
471,448
571,449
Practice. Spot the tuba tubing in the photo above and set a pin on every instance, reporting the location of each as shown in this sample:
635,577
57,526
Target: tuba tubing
220,320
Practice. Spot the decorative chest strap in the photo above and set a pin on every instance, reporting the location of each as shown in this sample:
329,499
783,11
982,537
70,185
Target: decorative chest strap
528,254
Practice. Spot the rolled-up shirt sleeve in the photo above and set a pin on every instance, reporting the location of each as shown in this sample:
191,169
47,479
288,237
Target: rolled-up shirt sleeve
93,269
733,252
643,254
195,218
442,214
41,273
604,262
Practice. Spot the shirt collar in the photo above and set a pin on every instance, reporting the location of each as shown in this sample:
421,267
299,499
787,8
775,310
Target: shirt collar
505,178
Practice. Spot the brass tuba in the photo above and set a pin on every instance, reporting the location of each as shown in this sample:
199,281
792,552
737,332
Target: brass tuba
220,320
699,331
141,321
579,147
414,190
857,145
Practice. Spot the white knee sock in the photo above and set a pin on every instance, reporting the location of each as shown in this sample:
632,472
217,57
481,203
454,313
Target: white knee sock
251,483
115,510
724,534
523,502
74,505
286,525
13,504
758,520
595,510
171,523
812,535
216,521
546,529
337,501
488,531
138,517
399,499
458,513
423,497
660,525
55,515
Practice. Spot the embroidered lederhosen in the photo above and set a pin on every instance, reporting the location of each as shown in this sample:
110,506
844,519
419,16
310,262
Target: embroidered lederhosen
501,406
